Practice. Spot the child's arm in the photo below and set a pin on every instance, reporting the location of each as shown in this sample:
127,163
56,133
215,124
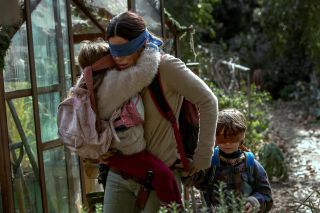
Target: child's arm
118,86
261,189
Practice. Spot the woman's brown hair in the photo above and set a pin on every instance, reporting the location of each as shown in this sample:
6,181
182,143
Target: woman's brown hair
128,25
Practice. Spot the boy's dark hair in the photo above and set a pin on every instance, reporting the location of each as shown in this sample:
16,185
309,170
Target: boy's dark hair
92,51
231,122
128,25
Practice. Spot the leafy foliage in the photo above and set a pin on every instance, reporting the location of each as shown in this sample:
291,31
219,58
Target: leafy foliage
311,202
97,209
289,25
229,202
23,108
272,160
173,207
280,38
257,120
196,15
256,114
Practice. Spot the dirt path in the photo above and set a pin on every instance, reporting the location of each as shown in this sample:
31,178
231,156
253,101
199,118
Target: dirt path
298,136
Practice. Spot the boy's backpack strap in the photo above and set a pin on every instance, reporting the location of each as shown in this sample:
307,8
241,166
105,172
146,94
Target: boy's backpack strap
250,165
157,95
215,162
215,158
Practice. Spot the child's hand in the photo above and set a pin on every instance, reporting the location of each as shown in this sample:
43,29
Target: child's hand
248,208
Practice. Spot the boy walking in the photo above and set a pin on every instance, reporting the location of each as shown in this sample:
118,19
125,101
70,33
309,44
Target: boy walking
238,170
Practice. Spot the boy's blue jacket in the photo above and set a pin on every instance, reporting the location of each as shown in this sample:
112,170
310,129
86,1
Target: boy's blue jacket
254,185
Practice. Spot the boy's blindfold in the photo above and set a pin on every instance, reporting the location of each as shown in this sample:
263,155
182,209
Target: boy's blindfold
222,139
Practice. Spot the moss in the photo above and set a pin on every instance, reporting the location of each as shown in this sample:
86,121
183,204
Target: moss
4,45
174,25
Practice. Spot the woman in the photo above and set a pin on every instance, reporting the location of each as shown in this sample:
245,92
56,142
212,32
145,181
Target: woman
127,35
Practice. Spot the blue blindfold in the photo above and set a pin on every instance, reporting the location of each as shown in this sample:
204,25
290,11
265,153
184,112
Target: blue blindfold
134,45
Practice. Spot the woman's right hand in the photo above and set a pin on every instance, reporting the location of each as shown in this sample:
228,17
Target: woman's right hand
192,169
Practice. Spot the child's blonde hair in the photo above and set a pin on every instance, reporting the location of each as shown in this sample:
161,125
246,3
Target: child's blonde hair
90,52
231,122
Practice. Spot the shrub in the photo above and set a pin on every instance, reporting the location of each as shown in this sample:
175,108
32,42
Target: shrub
271,157
257,120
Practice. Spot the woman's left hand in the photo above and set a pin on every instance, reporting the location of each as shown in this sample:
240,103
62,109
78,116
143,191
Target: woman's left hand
192,169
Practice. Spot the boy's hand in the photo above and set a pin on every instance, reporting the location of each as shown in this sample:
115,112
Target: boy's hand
252,204
248,208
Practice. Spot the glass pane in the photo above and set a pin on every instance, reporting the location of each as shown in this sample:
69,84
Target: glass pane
45,43
56,180
52,59
74,181
104,10
113,6
150,11
48,105
81,24
101,10
16,69
65,42
50,38
34,3
23,154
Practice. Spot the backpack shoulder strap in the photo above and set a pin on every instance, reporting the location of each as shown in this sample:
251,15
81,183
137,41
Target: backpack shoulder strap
105,62
158,98
215,162
160,101
215,158
250,162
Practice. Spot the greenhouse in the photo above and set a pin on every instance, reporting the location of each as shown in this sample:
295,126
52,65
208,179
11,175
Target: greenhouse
38,174
248,66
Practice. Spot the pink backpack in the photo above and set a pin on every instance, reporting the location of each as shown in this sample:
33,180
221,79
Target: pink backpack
77,118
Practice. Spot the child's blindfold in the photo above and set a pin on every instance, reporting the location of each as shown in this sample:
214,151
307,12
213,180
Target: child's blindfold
222,139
